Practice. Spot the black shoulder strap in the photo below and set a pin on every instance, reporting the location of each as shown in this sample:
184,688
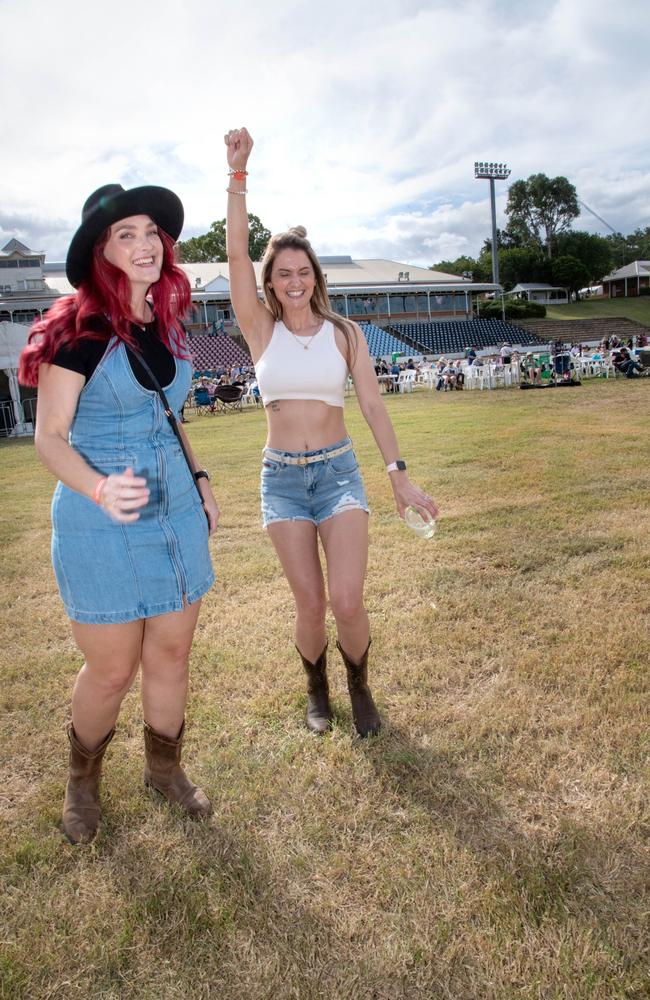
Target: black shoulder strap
169,413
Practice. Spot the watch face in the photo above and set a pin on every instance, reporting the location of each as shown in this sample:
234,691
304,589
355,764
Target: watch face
400,465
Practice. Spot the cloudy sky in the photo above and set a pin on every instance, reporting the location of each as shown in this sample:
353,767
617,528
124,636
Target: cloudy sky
367,115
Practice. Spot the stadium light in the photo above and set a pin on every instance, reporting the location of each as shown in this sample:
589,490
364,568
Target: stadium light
491,172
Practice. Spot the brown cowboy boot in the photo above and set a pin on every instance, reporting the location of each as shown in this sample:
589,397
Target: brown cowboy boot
364,711
163,771
319,711
81,804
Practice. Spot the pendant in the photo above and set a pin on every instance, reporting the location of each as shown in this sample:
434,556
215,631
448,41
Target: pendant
306,347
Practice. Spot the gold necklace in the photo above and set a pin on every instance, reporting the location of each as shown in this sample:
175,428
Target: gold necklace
298,340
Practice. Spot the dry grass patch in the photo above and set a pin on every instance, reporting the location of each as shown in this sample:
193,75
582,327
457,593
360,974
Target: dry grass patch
491,842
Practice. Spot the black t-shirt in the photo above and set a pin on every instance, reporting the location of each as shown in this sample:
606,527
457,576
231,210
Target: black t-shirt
85,356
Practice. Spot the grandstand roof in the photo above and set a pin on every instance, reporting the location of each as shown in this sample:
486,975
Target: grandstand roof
341,271
345,273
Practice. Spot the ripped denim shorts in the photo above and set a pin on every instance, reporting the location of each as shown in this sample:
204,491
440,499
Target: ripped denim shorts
314,491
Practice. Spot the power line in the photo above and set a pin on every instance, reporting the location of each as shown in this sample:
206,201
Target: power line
596,216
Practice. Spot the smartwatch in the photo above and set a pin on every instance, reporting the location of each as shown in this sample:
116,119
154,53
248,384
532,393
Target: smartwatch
201,474
397,466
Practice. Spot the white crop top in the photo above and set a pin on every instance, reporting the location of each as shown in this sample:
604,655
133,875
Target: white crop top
287,371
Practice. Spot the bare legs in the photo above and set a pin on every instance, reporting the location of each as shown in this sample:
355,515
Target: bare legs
165,656
296,543
345,542
113,654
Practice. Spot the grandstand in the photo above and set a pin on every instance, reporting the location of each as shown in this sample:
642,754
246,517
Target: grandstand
381,343
216,352
406,337
452,337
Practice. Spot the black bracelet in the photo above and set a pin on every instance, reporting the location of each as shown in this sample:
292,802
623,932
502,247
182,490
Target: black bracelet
201,474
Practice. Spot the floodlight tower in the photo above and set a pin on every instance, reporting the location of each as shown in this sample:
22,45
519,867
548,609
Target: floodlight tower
492,172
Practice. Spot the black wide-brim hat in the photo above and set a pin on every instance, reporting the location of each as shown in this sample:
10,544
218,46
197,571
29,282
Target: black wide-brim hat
111,203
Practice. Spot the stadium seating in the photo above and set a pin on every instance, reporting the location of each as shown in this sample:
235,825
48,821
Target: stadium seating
453,336
209,353
382,343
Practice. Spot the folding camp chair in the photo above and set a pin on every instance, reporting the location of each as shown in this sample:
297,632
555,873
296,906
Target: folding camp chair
202,401
228,397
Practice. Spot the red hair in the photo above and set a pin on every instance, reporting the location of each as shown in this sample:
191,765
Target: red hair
102,306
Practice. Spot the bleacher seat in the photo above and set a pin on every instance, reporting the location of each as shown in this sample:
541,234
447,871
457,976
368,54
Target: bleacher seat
453,336
382,343
209,353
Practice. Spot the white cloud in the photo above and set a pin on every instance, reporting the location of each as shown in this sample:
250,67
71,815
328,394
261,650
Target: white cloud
367,115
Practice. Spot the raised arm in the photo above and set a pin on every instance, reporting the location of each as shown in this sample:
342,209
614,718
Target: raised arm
253,317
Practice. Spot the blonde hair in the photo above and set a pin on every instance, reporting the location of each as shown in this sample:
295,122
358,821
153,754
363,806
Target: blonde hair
296,239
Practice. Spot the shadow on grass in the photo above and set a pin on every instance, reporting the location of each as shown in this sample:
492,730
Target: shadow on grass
576,873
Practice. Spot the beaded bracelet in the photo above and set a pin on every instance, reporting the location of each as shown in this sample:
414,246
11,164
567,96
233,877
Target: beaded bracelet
238,174
231,191
96,496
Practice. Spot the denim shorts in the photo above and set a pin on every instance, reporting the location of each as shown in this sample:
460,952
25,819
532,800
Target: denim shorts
313,492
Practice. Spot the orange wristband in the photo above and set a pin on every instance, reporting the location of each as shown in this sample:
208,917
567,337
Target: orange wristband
97,492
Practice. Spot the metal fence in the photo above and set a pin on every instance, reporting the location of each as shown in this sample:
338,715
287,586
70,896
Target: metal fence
17,419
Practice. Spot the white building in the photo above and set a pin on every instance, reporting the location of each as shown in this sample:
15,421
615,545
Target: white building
377,290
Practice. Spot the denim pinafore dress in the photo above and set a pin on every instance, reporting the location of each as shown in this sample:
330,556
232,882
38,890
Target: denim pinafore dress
109,572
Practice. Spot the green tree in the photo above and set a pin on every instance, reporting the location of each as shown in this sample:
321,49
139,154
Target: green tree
212,245
505,241
570,273
456,266
522,264
625,249
595,252
540,208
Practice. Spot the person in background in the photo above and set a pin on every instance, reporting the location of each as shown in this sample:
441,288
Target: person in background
395,372
625,364
531,371
129,529
311,485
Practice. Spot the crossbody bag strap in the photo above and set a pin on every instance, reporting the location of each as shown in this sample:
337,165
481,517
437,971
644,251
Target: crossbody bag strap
169,413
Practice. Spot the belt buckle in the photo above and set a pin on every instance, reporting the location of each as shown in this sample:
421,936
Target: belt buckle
302,460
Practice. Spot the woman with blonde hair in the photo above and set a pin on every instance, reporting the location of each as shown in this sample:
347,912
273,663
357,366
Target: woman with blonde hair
311,485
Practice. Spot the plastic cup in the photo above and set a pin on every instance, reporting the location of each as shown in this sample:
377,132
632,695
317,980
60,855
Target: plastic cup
422,527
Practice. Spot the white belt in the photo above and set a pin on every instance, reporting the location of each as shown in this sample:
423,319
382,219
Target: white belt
322,456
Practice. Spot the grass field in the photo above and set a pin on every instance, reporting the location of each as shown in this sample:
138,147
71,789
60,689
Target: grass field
634,309
490,844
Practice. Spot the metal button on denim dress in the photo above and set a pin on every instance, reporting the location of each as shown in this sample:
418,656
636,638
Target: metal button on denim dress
109,572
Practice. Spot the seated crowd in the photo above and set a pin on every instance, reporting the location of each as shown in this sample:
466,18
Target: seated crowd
528,369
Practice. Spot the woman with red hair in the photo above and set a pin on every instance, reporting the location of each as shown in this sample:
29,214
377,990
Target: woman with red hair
132,510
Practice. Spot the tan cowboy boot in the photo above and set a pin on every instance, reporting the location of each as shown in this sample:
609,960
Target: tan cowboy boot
364,711
81,810
163,771
319,711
